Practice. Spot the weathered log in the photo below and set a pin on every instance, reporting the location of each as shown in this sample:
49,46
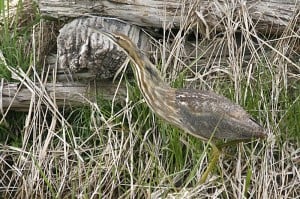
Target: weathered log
267,15
16,96
81,49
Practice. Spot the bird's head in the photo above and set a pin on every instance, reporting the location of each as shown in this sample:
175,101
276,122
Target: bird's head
142,64
124,42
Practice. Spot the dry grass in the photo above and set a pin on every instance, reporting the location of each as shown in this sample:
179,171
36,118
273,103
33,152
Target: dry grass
108,150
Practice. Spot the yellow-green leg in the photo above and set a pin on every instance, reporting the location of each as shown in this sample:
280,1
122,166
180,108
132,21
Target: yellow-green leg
215,157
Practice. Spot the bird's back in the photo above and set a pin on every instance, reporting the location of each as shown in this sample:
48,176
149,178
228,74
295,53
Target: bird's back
205,114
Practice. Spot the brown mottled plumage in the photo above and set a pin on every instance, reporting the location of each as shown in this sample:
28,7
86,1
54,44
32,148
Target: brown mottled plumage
203,114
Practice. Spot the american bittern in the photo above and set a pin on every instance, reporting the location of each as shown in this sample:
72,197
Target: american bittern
203,114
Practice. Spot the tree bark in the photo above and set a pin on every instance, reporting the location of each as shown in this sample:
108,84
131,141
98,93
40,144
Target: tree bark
266,15
81,49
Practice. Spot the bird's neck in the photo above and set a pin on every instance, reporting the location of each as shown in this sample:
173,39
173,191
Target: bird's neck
148,77
150,82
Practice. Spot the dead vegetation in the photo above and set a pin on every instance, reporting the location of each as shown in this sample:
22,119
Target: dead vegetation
108,149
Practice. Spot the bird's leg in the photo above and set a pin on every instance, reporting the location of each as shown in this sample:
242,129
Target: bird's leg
215,157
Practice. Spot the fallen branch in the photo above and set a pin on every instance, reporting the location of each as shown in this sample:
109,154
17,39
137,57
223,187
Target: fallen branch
15,96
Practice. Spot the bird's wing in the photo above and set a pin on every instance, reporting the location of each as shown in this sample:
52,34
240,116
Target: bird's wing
206,114
207,102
